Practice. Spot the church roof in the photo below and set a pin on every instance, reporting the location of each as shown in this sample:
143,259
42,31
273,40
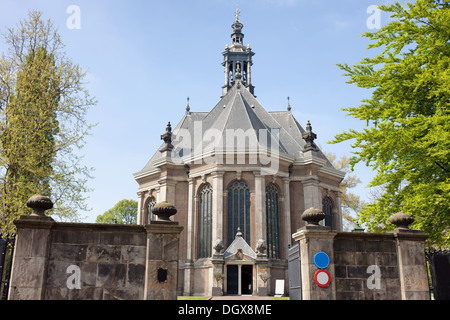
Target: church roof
238,112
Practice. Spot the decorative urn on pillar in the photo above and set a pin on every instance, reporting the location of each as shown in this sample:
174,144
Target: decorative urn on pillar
164,210
313,216
39,204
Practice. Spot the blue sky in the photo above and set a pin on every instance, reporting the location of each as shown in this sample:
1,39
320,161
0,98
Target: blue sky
144,58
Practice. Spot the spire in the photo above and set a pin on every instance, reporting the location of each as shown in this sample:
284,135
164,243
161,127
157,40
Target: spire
237,59
237,28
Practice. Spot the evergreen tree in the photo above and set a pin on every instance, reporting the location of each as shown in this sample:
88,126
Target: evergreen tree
43,106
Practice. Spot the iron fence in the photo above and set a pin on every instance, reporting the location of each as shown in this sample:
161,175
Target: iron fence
439,264
6,252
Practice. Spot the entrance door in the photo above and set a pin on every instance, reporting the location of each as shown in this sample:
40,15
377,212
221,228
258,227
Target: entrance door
239,279
246,279
232,279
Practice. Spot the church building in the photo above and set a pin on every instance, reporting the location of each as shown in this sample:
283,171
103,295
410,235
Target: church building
240,178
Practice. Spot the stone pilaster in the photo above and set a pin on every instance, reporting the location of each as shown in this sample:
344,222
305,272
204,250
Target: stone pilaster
287,212
260,207
217,205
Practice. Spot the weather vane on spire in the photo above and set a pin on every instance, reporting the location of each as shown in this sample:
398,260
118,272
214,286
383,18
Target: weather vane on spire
237,12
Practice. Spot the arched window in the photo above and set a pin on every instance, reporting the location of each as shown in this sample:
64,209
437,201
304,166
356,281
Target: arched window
327,208
273,222
150,204
205,222
238,210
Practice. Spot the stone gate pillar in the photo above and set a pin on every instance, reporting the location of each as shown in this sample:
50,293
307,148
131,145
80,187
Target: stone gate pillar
161,267
31,253
314,238
411,259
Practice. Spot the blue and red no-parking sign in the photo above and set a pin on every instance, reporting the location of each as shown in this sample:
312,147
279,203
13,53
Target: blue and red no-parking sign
322,278
321,260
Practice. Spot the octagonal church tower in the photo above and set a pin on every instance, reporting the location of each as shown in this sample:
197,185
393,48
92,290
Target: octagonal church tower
240,178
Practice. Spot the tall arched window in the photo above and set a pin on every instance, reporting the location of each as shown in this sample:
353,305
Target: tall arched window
205,222
238,210
327,208
273,222
150,204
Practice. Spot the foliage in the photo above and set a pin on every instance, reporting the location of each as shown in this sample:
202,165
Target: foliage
407,135
43,104
124,212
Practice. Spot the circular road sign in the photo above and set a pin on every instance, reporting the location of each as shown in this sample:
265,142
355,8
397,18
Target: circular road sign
322,278
321,260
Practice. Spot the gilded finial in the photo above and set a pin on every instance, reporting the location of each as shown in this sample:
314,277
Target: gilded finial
237,12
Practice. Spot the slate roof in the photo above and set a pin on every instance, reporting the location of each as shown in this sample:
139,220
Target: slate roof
237,110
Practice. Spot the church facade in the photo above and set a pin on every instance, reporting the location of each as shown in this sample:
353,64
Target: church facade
240,178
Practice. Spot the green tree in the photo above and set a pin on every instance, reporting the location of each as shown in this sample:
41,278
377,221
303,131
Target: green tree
43,104
124,212
407,135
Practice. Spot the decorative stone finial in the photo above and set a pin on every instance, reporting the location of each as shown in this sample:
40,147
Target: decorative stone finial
167,137
289,104
238,233
313,216
402,220
39,204
188,108
218,246
261,246
164,210
309,137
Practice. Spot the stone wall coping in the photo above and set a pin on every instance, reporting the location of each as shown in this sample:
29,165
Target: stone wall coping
35,222
313,232
414,235
365,235
99,227
163,228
